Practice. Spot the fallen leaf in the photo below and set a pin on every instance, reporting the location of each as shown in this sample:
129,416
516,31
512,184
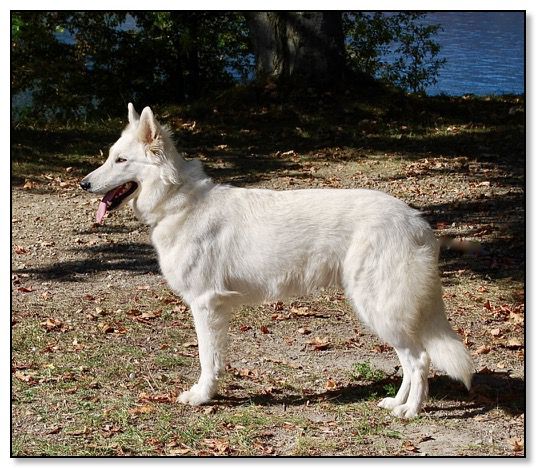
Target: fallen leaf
517,444
331,384
180,308
105,327
319,344
146,317
495,332
77,346
484,349
517,318
20,366
54,430
280,317
22,289
244,328
25,377
19,249
288,153
169,397
151,315
284,362
381,348
29,184
263,449
84,431
180,450
264,329
220,446
190,344
245,372
141,409
289,425
52,324
304,331
409,446
304,311
50,348
514,343
109,430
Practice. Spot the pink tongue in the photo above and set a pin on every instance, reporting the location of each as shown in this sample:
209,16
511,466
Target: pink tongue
103,205
101,211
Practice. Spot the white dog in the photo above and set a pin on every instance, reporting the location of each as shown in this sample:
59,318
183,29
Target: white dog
221,246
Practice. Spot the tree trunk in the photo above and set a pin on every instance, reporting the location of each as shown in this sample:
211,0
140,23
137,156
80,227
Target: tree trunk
303,45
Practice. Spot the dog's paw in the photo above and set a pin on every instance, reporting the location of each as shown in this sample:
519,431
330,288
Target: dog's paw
195,396
405,411
388,403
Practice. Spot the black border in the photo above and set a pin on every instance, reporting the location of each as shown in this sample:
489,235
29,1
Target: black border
331,457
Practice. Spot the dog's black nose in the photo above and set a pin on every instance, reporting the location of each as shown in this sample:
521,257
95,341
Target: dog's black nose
85,185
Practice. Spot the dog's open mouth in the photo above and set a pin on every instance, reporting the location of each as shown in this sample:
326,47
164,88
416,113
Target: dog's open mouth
114,198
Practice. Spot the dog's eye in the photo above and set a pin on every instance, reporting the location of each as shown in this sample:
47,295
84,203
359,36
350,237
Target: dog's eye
120,160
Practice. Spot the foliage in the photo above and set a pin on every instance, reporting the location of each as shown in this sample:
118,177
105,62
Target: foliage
397,47
72,64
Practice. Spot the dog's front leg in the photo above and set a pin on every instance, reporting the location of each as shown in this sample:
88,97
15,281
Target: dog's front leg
211,326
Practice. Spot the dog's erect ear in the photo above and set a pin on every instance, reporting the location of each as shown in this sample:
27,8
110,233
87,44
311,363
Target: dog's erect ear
148,129
133,116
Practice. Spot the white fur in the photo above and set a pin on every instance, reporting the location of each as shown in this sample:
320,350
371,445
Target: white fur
221,246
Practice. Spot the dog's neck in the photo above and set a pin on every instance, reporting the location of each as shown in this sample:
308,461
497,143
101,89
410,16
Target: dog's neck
163,196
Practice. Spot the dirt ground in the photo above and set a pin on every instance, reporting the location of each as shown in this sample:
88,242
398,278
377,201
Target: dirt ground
101,347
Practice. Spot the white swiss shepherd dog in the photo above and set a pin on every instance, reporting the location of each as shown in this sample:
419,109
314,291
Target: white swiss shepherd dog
221,246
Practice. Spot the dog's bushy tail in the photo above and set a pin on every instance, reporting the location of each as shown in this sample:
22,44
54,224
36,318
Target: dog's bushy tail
445,347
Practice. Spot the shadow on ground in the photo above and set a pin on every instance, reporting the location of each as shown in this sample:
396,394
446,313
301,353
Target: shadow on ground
133,257
490,391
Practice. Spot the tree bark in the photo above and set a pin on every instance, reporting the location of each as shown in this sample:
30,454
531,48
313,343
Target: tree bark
303,45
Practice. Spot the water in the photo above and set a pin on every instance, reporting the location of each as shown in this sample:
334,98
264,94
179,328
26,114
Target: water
485,52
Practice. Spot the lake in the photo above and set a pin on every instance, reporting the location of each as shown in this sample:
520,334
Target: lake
485,52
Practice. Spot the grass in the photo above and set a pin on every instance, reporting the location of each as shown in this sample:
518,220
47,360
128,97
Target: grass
78,390
366,371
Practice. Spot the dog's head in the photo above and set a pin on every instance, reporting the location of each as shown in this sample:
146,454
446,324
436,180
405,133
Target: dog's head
138,156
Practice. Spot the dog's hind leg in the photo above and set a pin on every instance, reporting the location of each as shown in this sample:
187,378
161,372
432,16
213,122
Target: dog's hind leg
415,365
394,324
211,325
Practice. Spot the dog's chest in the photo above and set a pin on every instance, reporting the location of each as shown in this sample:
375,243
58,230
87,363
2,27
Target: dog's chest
182,256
